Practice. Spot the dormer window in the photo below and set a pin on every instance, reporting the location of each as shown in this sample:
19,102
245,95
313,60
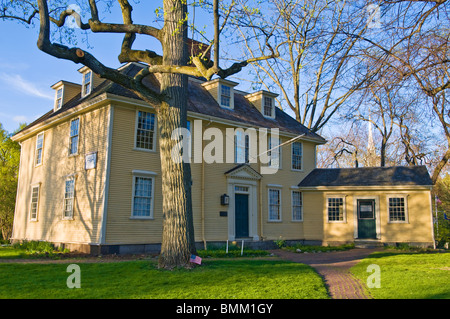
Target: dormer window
264,101
59,98
222,91
268,107
87,83
64,92
225,95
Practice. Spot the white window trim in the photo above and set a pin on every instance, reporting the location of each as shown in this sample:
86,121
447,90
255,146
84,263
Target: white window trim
145,174
71,217
36,150
83,94
292,155
56,106
155,128
38,186
268,205
263,102
292,204
70,137
405,197
344,208
219,92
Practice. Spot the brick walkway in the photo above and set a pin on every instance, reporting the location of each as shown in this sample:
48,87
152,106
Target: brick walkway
334,267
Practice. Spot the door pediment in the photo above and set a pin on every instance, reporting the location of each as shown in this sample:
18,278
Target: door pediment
243,171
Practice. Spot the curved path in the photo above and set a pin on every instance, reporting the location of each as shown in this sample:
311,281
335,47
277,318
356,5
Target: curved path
334,267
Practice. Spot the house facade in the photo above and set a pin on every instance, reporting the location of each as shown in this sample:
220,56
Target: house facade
90,175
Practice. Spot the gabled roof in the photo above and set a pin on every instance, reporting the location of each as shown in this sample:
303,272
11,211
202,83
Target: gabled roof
200,101
243,171
368,176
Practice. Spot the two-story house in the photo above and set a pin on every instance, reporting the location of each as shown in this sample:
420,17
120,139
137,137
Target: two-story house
90,175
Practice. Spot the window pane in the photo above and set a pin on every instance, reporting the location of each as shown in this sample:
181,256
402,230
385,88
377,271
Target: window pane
268,106
145,130
74,131
297,206
142,196
335,209
274,204
34,202
39,146
225,95
397,210
241,147
69,198
87,83
297,152
274,155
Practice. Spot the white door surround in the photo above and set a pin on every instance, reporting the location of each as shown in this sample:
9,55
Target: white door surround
243,180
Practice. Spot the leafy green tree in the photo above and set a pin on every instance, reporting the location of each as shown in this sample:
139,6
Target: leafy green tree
9,169
442,200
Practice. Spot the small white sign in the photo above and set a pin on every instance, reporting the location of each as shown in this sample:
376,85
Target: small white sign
91,160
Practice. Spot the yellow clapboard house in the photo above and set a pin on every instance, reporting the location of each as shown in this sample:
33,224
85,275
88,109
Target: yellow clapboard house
90,175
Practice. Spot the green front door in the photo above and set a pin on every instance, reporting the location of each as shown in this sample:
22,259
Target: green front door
241,215
366,219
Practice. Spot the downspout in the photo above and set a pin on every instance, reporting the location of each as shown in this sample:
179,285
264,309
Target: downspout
102,240
261,211
203,202
203,191
432,224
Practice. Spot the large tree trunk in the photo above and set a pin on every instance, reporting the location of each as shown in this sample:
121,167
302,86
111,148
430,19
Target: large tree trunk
178,230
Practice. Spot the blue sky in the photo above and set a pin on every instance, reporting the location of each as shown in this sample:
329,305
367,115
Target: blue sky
26,73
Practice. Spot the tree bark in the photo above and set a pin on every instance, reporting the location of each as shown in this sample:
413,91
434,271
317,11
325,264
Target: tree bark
178,230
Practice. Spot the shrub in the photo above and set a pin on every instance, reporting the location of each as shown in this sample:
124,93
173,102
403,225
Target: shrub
39,248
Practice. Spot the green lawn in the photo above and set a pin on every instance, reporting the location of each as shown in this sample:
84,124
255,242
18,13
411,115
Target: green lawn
408,275
227,279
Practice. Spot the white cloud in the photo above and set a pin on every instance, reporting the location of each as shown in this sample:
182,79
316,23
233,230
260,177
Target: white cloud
20,119
18,83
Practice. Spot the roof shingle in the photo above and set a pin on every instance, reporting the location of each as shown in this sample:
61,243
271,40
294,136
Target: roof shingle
200,101
368,176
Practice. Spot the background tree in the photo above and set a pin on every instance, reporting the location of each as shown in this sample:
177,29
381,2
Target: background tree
441,200
316,68
9,170
169,100
413,45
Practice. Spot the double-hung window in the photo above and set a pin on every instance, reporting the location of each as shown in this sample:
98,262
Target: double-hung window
268,106
336,209
297,153
87,83
143,188
145,131
74,136
39,149
297,206
241,147
34,203
274,152
397,208
274,204
69,198
59,98
225,96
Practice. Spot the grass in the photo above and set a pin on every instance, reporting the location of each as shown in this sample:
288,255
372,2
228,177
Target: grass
215,279
408,275
31,249
314,249
233,251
